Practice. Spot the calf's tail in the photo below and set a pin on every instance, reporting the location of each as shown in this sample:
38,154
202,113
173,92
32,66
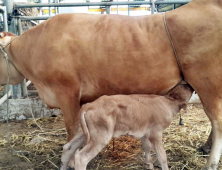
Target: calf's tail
85,127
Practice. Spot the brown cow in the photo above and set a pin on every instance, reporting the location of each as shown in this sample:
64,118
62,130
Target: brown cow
143,116
75,58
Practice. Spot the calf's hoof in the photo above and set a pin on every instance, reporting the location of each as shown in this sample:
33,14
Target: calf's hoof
71,164
62,167
68,168
149,166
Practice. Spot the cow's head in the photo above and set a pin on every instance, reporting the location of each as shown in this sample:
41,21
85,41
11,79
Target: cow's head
15,76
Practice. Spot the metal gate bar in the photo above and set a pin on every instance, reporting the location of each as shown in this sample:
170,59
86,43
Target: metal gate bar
16,5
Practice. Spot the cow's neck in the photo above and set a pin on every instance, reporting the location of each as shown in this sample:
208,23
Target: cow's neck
19,53
190,27
15,75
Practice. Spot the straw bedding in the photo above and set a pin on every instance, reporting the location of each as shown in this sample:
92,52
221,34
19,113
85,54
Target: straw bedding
180,143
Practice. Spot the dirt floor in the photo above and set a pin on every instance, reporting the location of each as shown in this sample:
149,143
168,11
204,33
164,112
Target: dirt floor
42,148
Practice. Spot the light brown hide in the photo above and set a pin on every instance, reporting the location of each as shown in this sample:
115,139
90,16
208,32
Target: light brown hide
142,116
197,38
75,58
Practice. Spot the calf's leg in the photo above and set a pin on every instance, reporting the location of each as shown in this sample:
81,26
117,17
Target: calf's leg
70,148
89,151
161,154
146,145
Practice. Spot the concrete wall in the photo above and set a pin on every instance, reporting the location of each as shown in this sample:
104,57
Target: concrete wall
21,109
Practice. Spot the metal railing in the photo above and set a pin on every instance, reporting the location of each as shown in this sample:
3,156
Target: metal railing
15,23
152,3
100,3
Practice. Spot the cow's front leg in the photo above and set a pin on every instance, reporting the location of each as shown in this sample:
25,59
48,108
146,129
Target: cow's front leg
214,158
207,146
211,99
70,106
213,110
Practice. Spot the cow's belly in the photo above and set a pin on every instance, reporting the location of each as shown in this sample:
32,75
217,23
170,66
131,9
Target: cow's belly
93,90
47,96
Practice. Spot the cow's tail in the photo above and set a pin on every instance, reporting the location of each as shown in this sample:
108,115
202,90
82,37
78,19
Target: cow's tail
85,127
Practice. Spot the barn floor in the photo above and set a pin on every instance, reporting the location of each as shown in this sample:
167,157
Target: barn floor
44,146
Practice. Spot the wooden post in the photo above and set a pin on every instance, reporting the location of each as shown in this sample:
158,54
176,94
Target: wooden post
23,83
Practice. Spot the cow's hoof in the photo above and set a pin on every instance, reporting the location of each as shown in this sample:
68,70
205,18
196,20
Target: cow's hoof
205,149
212,167
69,168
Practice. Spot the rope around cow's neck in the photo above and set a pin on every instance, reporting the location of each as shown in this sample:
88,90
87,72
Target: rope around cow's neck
7,90
176,56
8,60
172,44
5,56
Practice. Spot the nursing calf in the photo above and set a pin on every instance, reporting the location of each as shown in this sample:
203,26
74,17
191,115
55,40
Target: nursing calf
142,116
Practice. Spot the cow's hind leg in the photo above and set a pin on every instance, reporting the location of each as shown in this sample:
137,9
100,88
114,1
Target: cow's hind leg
70,148
146,145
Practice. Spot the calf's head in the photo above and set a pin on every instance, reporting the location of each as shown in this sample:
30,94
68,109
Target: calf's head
15,76
182,94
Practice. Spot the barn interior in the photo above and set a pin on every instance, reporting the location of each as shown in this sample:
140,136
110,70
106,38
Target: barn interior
37,133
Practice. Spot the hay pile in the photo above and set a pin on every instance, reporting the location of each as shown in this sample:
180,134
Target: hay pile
26,25
180,143
42,147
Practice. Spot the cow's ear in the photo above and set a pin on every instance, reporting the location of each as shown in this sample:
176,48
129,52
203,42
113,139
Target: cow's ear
5,38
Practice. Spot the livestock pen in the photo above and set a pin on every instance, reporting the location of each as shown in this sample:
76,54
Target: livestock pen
41,141
42,148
